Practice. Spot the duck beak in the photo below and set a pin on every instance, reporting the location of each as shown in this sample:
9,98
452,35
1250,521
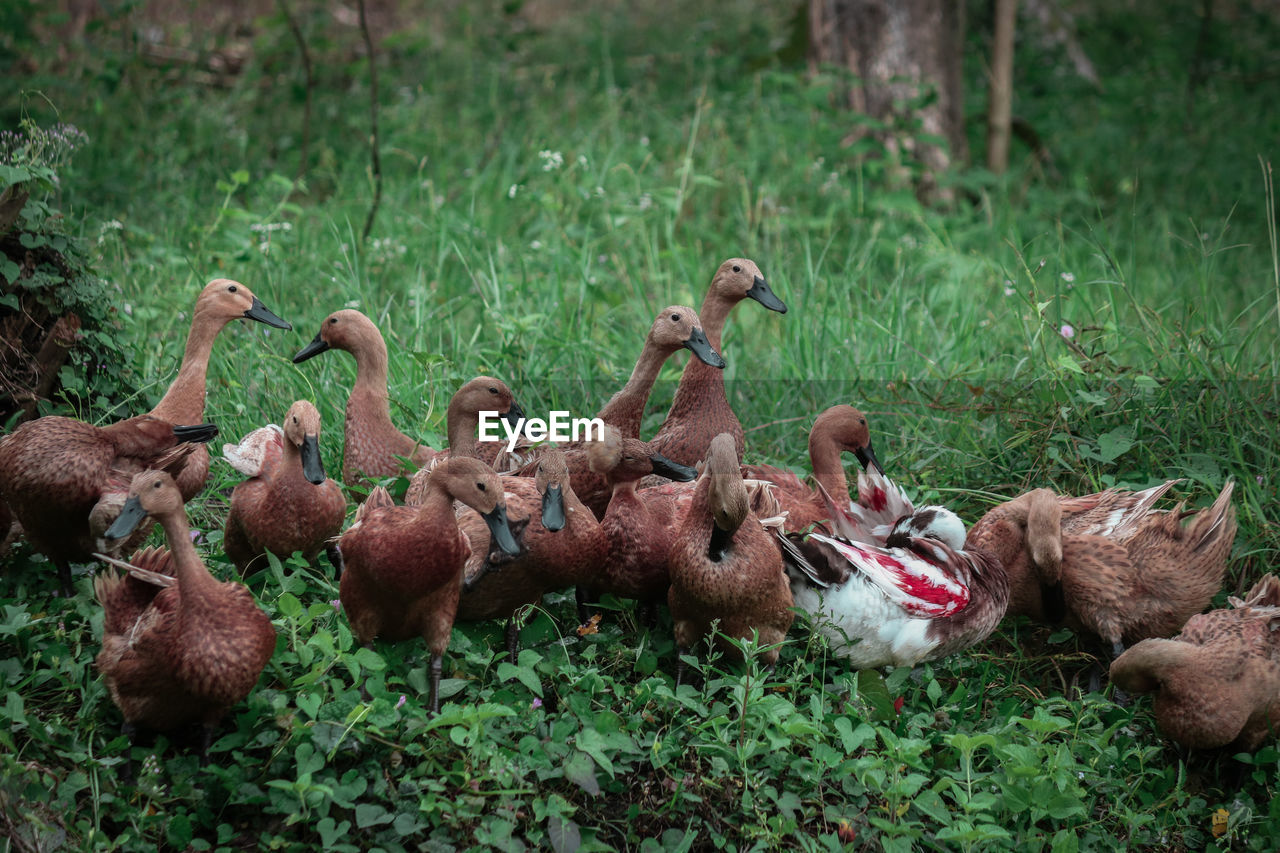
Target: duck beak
195,434
761,293
500,531
553,508
316,347
259,312
701,347
867,457
664,467
128,519
312,467
515,417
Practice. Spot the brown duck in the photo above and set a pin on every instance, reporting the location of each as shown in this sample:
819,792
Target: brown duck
482,394
287,504
562,547
1218,682
639,526
403,566
674,328
724,565
1108,563
700,410
66,480
220,302
836,430
185,651
373,446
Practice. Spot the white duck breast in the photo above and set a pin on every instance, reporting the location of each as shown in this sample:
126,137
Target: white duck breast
863,625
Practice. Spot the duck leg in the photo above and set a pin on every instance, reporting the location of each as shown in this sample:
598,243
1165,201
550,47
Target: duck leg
513,640
681,666
130,731
1120,697
335,559
583,596
64,578
437,667
206,741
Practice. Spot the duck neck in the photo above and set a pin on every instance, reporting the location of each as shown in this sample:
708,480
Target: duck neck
436,502
291,458
713,313
189,569
700,525
369,396
624,493
183,403
462,427
625,409
824,456
701,384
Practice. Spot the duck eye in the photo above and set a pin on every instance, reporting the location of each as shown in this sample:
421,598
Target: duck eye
863,421
231,289
675,318
493,390
333,320
481,487
737,268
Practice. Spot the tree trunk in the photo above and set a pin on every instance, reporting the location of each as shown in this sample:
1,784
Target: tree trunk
1000,104
900,52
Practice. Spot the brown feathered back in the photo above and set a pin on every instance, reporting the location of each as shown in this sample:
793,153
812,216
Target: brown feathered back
1218,682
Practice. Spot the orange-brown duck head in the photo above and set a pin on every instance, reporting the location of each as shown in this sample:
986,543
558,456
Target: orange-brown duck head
623,460
150,492
223,300
302,430
678,326
348,330
740,278
847,427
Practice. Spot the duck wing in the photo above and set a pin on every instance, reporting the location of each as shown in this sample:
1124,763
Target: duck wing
1115,513
881,502
252,454
925,578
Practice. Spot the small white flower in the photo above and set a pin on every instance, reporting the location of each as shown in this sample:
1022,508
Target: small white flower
644,140
646,201
582,161
536,245
551,160
599,192
351,303
511,192
128,310
1068,277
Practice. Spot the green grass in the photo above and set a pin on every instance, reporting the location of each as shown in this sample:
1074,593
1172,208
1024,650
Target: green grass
682,143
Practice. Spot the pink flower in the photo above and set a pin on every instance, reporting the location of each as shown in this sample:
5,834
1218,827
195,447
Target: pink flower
1068,331
537,702
336,604
400,702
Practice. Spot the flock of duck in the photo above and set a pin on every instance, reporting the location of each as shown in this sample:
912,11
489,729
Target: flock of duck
733,550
